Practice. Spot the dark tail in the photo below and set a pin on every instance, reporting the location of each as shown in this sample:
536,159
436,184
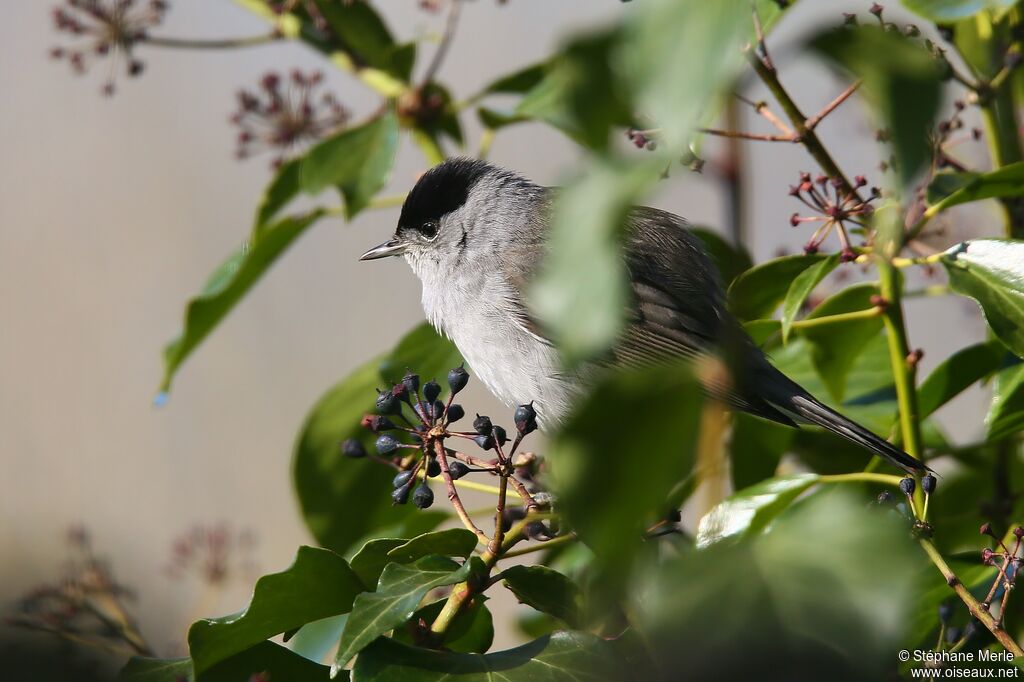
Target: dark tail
809,409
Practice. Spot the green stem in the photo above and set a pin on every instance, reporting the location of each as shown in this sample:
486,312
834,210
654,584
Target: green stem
838,317
862,477
221,44
904,373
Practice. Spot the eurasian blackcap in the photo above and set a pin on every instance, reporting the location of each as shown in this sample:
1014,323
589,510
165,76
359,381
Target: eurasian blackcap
475,236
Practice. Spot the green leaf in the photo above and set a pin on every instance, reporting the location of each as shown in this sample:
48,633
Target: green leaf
836,346
950,188
758,292
518,82
1006,413
581,292
563,656
801,288
357,161
546,590
228,284
945,11
451,542
359,31
902,82
370,560
342,500
991,271
265,657
471,631
443,118
606,495
749,511
731,260
755,448
956,373
317,585
282,189
399,593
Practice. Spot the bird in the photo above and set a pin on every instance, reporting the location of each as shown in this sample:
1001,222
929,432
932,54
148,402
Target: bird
476,234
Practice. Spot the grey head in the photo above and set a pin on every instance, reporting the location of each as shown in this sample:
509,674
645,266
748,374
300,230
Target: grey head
462,214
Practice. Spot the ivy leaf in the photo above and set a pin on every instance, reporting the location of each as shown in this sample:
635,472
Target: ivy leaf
318,584
546,590
370,560
266,657
731,260
1006,413
755,448
518,82
571,656
749,511
801,288
357,161
758,292
836,346
950,188
399,593
608,498
958,372
231,281
451,542
342,500
281,190
471,631
991,271
902,81
946,11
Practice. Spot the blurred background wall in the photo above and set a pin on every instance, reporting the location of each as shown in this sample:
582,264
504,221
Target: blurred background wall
113,211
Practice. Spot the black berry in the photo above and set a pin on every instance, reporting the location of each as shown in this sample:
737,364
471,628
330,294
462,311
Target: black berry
434,468
928,484
436,409
401,479
411,382
485,442
423,496
457,469
500,436
377,423
884,498
400,392
386,444
455,413
945,612
353,448
387,403
953,635
482,425
526,419
400,495
907,485
457,379
431,390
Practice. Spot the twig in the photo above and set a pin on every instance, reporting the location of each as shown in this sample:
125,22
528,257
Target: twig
453,494
442,48
763,110
757,137
813,121
221,44
553,542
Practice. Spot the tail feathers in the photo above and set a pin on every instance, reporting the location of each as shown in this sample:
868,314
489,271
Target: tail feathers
809,409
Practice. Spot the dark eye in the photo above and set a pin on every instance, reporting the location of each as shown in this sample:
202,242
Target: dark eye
429,229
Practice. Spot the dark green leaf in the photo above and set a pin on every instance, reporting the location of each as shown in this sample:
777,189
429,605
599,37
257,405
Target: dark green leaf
229,283
370,560
1006,414
317,639
357,161
991,271
494,119
801,288
835,347
266,657
755,448
749,511
759,291
959,188
731,260
546,590
399,593
518,82
344,499
956,373
606,496
945,11
471,631
359,31
902,81
317,585
562,657
282,189
451,542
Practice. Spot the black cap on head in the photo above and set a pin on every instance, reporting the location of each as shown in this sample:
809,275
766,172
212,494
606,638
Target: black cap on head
441,190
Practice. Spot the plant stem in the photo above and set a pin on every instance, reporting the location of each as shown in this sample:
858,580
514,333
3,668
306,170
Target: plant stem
216,44
862,477
904,372
553,542
453,495
838,317
968,599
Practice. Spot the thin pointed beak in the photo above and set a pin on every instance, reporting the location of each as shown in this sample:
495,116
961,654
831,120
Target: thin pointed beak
392,247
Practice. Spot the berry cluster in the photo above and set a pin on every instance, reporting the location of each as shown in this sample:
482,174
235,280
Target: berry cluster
426,456
834,206
284,114
113,27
